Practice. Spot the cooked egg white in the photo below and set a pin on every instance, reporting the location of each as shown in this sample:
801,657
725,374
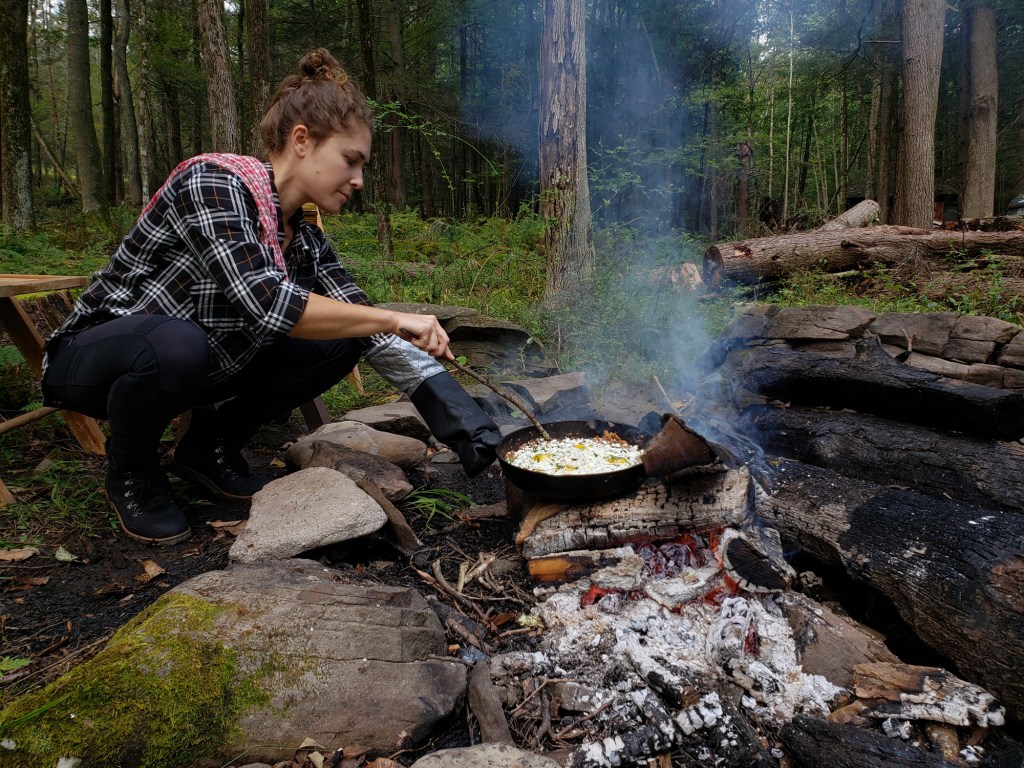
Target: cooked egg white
575,455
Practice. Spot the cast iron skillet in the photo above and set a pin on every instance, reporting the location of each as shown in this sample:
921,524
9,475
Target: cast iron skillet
574,487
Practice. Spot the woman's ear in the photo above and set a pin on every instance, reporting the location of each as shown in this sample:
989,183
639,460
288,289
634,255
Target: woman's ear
300,140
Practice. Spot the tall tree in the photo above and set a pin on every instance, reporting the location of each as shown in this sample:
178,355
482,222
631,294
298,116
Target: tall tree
979,110
565,195
258,36
15,136
220,92
111,165
921,25
396,134
126,104
87,151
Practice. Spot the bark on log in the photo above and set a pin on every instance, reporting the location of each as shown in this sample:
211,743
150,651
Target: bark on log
872,382
768,259
861,215
936,463
955,572
658,510
814,743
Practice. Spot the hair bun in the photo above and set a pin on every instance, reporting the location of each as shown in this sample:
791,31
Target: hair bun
321,65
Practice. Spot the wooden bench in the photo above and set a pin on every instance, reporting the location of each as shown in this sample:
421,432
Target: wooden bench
27,338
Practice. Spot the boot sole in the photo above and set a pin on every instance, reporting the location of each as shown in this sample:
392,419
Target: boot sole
195,477
160,542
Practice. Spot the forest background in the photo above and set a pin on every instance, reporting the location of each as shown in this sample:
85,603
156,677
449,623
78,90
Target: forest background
704,120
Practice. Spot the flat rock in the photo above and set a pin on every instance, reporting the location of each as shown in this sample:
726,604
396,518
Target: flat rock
305,510
356,465
968,350
400,418
543,388
251,660
984,329
491,343
406,452
818,323
485,756
1013,355
930,331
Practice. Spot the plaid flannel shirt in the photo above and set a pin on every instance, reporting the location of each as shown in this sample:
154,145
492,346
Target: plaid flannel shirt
196,254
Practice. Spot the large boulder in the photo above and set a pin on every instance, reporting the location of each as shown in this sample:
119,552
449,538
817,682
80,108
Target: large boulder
406,452
236,661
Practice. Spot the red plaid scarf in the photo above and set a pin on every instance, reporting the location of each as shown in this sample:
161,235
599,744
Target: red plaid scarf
253,173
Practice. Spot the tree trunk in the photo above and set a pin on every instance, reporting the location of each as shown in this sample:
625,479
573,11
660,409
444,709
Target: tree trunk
110,164
768,259
15,117
126,103
396,134
887,102
929,460
874,383
565,195
921,25
220,92
258,33
954,572
87,150
982,101
145,109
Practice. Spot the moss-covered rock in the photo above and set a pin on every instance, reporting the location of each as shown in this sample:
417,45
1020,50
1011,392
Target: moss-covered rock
163,693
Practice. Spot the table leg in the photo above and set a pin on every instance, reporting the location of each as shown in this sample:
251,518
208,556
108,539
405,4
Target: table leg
26,338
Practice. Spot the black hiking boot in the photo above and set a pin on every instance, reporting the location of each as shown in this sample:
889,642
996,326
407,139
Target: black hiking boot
142,502
223,471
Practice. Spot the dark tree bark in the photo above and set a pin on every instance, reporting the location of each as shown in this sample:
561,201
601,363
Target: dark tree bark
955,572
87,150
258,35
110,163
979,110
396,134
813,743
874,383
126,105
220,91
565,195
931,461
745,156
921,24
15,117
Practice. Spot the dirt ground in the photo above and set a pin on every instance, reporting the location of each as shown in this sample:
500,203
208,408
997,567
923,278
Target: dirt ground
58,614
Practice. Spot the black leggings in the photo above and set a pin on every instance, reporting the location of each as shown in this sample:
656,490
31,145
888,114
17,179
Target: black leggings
141,371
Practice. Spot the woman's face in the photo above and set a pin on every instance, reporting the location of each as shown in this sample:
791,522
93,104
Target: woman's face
334,168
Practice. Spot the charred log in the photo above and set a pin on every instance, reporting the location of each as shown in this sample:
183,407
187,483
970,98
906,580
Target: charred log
814,743
873,382
936,463
768,259
955,572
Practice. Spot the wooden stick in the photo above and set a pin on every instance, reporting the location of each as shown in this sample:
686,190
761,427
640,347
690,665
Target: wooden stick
25,418
513,399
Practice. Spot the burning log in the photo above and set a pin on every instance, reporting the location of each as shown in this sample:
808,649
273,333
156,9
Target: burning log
658,510
955,572
870,381
768,259
936,463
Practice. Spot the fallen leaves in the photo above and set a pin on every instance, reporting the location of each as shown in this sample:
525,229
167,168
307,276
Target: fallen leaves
17,555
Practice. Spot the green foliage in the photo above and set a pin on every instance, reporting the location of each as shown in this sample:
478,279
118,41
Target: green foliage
10,664
63,495
431,502
494,265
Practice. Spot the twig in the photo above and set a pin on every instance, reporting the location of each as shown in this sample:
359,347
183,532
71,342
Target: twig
575,724
462,599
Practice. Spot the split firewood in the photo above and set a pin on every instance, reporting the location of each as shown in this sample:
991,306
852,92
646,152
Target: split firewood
483,701
563,567
398,530
658,510
955,572
674,448
908,692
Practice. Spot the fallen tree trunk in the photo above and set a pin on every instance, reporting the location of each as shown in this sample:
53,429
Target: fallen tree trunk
872,382
955,572
981,472
861,215
768,259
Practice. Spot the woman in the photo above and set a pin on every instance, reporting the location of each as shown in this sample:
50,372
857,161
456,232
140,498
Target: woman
222,296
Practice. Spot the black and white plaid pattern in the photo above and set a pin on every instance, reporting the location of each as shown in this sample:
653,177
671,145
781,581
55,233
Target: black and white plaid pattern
196,254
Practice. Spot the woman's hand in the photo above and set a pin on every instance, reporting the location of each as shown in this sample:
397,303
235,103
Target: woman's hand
423,332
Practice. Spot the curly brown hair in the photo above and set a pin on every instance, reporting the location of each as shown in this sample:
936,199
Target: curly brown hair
321,97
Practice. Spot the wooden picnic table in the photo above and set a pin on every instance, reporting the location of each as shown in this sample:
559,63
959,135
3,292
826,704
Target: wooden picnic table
29,341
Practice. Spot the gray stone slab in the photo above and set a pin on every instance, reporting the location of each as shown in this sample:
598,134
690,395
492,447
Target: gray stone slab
406,452
485,756
818,323
984,329
969,351
930,331
399,417
1013,355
